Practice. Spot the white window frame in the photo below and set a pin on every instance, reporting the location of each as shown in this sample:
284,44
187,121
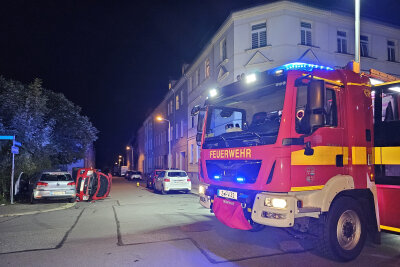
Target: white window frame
368,45
340,40
223,49
207,68
391,55
306,30
258,31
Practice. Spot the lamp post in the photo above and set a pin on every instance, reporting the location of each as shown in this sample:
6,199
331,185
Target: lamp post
131,160
357,31
121,158
159,118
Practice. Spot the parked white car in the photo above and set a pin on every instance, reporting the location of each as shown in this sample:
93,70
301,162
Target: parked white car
173,180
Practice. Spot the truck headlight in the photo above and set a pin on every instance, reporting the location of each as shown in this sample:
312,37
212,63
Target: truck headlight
278,203
202,189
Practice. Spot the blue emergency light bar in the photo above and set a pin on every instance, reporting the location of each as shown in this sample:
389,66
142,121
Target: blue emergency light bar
302,66
6,137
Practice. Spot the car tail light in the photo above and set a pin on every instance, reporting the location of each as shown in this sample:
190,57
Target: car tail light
167,180
71,183
42,184
188,179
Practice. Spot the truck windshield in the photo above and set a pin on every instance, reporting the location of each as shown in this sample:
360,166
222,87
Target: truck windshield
247,119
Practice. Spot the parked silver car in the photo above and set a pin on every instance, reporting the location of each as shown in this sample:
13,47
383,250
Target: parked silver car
53,185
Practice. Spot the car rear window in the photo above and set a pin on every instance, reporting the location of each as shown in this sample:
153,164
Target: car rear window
158,172
176,174
56,177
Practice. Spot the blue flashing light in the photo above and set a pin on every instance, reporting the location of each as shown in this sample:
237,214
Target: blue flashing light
240,179
303,66
217,177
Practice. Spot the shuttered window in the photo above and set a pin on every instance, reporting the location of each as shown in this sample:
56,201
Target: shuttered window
259,35
306,37
364,45
391,48
342,42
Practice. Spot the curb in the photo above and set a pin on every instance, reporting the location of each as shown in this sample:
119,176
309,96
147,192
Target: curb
66,206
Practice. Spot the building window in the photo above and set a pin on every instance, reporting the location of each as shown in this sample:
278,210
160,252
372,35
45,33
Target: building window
181,128
259,35
198,154
198,76
342,42
171,134
222,49
191,153
207,68
192,121
391,48
306,38
190,85
181,97
364,46
171,106
177,102
177,131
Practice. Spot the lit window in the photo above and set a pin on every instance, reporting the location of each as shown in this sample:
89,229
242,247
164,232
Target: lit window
207,68
222,49
364,45
259,35
177,102
342,42
306,38
391,48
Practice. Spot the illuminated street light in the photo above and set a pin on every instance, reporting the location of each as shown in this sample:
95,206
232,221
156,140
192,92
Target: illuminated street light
160,118
213,92
131,159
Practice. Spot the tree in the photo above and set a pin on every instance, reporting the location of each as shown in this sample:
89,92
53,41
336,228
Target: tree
50,127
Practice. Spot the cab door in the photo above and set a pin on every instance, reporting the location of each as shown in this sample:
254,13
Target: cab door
387,154
320,154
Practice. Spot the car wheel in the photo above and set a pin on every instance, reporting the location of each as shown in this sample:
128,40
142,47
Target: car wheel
342,232
163,191
33,200
71,200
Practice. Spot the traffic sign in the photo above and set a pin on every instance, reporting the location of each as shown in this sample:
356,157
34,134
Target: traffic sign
6,137
15,150
17,143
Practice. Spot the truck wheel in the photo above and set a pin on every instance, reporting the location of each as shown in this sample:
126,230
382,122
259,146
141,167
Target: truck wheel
342,232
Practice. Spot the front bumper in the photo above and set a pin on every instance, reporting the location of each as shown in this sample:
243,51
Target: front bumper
278,217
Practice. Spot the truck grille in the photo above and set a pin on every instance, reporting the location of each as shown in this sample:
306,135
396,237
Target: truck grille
239,171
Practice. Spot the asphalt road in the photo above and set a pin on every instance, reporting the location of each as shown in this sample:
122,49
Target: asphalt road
136,227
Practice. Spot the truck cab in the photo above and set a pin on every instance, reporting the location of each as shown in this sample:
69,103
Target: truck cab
293,147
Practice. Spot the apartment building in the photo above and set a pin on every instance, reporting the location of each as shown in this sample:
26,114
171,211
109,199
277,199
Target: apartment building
270,35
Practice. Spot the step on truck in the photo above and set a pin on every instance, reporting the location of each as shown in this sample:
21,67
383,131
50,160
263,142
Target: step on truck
304,146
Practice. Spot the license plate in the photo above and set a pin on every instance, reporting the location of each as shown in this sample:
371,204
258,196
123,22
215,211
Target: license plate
59,193
227,194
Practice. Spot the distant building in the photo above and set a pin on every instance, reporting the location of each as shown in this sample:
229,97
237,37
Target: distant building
267,36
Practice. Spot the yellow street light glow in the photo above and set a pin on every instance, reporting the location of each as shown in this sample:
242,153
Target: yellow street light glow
251,78
127,147
119,156
159,118
213,92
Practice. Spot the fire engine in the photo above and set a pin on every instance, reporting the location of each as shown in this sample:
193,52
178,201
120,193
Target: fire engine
304,146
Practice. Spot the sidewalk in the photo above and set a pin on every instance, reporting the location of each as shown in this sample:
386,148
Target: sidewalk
20,209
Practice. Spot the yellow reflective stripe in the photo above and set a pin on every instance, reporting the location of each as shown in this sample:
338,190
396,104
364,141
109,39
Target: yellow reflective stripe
359,155
360,84
345,156
387,83
306,188
378,155
391,155
389,228
326,80
323,155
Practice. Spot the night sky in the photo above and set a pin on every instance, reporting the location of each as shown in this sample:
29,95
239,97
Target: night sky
115,58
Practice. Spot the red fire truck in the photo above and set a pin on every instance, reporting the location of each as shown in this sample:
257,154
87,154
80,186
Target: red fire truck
304,146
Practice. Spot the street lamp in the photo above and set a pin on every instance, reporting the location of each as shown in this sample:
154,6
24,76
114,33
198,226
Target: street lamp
131,161
160,118
121,158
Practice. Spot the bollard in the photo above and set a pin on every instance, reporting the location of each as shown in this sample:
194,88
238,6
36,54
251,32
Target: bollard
137,184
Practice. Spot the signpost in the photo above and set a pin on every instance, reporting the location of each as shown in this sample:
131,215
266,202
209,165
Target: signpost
14,150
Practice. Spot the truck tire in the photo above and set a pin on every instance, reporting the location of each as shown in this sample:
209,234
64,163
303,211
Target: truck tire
343,231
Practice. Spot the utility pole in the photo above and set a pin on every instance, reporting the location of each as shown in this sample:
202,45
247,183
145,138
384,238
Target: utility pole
357,33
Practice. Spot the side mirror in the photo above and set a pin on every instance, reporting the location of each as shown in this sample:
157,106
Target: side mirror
315,103
308,151
198,139
195,110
